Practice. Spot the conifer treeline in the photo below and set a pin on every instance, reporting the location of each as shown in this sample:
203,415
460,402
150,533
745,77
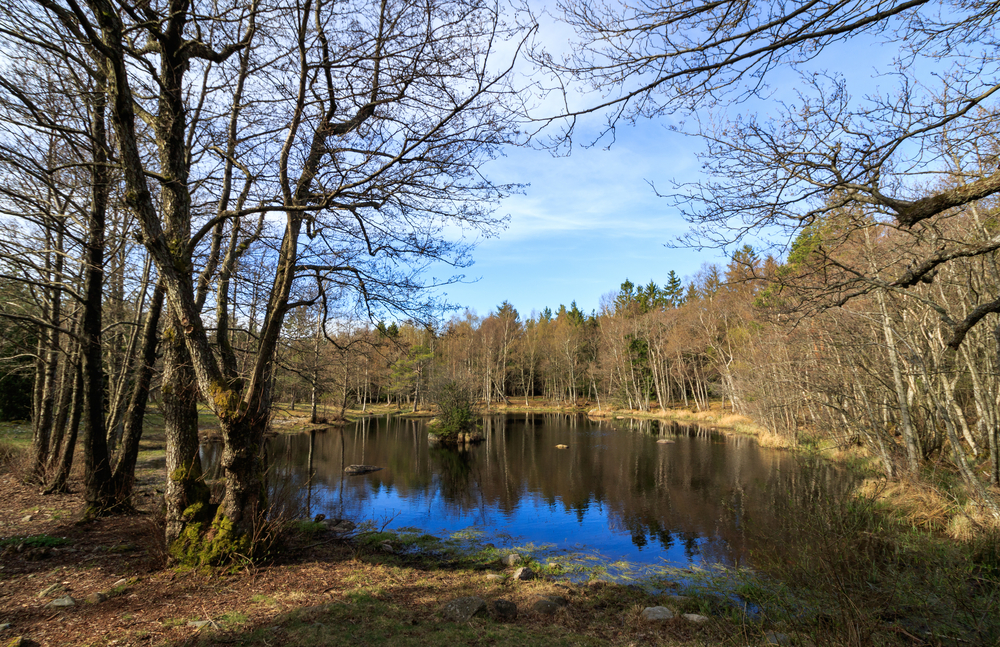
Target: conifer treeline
648,346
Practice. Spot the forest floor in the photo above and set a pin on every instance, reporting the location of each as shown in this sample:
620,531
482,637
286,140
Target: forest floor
865,576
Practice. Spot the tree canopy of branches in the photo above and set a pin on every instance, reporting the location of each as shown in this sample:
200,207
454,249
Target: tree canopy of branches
912,170
325,144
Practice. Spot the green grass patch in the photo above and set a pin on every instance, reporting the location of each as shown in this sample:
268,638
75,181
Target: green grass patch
233,618
260,598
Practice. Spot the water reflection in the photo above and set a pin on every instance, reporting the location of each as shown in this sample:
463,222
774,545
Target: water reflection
614,489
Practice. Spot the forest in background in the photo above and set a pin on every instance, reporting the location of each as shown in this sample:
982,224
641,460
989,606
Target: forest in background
755,333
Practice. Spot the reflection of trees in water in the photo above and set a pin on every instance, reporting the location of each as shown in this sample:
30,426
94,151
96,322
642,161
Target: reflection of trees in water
693,494
454,467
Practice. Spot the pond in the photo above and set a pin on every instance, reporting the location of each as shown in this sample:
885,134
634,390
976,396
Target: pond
641,491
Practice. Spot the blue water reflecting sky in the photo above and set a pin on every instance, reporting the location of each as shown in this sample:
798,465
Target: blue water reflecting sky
641,491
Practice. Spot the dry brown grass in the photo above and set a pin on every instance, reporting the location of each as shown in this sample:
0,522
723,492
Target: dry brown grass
927,507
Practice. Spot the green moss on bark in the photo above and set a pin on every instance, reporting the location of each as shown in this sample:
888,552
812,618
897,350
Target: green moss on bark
217,544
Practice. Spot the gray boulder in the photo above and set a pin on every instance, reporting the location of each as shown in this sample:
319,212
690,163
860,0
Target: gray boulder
695,618
511,560
62,603
504,609
549,604
524,573
463,609
657,614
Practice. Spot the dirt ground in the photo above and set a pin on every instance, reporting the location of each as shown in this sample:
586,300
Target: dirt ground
154,605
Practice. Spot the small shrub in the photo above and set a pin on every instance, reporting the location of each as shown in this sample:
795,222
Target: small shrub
457,404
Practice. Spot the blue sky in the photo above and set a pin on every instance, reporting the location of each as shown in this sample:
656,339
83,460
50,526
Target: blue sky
589,221
586,223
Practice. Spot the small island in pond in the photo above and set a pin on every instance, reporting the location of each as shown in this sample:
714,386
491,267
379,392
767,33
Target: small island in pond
457,422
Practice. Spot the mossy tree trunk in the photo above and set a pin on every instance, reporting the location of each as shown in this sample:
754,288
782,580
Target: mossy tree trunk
186,491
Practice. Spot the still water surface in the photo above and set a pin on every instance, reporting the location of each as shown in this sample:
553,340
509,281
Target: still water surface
614,491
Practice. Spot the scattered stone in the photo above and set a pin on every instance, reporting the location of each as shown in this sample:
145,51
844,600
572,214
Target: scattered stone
494,577
4,626
504,609
202,624
343,526
462,609
664,441
26,518
775,638
562,446
695,618
121,582
62,603
95,598
546,605
51,589
657,614
511,560
524,573
361,469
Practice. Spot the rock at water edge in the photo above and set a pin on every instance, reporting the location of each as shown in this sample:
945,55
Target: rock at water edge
524,573
361,469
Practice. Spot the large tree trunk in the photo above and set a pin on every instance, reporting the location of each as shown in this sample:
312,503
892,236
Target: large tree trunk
97,464
128,449
187,495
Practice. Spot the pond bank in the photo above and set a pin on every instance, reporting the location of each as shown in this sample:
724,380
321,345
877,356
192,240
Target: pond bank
859,572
